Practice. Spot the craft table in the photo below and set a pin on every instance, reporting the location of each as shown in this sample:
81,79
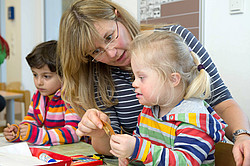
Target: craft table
10,104
80,148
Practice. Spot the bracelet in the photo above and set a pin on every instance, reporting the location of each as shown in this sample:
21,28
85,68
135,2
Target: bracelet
239,132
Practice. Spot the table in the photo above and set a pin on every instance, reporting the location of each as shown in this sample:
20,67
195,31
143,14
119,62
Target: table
10,106
80,148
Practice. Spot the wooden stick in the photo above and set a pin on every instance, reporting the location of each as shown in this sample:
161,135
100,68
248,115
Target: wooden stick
8,125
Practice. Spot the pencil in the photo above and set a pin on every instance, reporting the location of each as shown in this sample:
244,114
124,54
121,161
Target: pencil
8,125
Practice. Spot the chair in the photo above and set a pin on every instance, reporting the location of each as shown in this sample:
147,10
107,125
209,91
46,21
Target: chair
224,155
2,86
16,87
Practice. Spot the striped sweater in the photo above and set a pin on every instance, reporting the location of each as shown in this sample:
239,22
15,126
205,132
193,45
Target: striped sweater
49,122
126,112
184,136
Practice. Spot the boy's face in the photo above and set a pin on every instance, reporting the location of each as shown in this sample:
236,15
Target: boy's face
46,82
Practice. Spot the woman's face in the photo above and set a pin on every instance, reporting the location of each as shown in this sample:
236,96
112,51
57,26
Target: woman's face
115,44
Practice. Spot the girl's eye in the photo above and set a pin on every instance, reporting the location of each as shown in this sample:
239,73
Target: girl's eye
141,78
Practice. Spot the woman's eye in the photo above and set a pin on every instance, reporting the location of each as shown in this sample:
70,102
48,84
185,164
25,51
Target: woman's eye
109,38
96,51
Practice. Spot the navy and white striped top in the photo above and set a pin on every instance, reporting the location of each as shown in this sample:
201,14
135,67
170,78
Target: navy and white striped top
126,112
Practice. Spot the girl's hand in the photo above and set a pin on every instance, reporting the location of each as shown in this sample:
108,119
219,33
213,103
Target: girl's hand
91,124
122,145
10,132
123,161
23,130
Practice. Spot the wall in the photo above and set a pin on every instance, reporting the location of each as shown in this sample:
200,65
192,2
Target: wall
13,37
22,34
227,39
225,36
2,32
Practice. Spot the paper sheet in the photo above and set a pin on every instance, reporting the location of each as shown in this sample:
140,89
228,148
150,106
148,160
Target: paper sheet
18,154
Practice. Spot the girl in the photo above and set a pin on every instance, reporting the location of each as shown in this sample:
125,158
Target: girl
175,127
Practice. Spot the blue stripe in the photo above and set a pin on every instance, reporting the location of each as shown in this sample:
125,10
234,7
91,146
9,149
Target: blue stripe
136,150
163,157
189,142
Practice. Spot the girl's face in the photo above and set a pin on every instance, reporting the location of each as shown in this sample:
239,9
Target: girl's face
114,49
46,82
149,88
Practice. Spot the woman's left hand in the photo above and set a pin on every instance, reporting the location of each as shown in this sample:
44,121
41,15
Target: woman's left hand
241,150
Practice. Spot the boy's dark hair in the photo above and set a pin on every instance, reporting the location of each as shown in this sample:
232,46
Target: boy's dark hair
45,54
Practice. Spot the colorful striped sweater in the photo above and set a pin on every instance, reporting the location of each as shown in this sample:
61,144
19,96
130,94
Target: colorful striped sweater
185,136
49,122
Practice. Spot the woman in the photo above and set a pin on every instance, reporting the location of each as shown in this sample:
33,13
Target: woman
95,35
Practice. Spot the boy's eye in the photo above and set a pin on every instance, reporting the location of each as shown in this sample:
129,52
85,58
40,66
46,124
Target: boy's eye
47,76
34,75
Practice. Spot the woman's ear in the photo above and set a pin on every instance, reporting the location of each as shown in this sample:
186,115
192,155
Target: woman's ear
117,13
175,79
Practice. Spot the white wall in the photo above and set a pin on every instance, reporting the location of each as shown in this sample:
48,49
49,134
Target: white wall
227,39
22,34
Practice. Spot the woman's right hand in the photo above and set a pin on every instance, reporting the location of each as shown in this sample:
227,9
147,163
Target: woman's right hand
91,124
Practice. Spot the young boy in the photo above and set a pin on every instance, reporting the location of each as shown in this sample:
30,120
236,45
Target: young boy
48,121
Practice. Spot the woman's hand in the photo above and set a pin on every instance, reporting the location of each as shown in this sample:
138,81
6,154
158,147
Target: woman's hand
10,132
122,145
241,150
91,124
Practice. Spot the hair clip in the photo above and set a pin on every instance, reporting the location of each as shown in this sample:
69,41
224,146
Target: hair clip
190,49
200,66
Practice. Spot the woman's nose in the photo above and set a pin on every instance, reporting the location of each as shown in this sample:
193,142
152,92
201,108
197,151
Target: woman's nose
112,52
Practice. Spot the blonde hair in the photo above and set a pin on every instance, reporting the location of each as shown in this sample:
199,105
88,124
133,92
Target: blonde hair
76,37
166,53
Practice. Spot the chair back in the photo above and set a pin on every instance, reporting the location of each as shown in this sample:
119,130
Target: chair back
16,87
224,155
2,86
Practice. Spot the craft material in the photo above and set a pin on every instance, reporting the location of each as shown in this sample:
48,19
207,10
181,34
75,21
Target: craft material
46,158
13,133
108,129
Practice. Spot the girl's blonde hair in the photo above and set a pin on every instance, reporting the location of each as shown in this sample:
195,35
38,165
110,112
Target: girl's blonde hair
77,35
167,53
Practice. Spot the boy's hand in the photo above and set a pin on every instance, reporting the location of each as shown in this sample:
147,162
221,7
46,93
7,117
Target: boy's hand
23,130
10,132
122,145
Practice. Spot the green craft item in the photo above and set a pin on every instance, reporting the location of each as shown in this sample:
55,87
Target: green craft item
2,55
